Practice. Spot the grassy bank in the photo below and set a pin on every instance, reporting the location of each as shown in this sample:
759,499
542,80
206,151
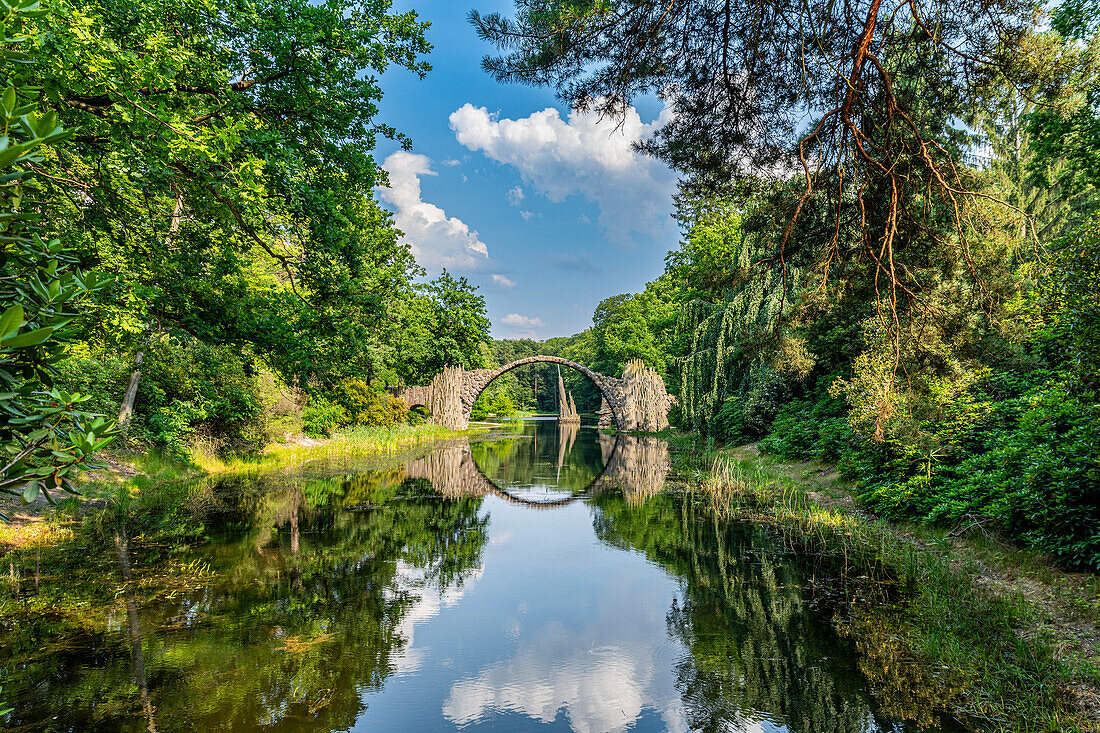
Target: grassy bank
150,487
1006,636
358,441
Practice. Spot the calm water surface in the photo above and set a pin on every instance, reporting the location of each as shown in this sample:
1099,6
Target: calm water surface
538,581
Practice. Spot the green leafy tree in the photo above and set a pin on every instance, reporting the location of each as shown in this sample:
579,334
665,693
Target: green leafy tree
622,333
45,432
223,169
443,325
1067,136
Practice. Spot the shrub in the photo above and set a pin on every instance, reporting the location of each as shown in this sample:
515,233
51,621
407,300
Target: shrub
104,380
805,429
174,425
1040,478
363,405
190,387
322,417
387,410
496,402
729,425
1030,468
501,405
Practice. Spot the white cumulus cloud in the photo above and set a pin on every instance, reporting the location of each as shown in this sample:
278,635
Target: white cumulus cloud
521,326
503,281
515,319
437,240
581,155
515,195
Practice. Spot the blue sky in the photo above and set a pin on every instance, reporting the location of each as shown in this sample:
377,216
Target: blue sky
547,212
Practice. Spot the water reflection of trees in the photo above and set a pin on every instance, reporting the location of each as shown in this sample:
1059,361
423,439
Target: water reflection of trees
308,605
760,639
322,597
563,457
587,461
304,611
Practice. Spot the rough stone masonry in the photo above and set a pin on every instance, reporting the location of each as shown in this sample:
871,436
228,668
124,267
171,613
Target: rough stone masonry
637,401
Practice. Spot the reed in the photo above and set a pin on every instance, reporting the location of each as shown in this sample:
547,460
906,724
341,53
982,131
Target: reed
358,441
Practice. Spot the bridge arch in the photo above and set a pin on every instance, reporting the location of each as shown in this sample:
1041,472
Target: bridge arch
479,379
636,402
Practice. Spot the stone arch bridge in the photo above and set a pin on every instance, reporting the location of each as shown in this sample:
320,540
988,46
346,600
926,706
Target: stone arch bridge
637,401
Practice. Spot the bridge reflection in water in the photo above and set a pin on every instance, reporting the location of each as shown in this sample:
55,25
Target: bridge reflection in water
635,465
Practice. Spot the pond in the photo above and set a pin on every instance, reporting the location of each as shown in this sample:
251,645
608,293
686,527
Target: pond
544,578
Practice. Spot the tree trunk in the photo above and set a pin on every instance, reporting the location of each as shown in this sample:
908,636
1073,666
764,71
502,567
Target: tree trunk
126,413
122,549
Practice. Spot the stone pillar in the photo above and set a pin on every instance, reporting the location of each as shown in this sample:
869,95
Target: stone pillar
567,410
645,403
445,399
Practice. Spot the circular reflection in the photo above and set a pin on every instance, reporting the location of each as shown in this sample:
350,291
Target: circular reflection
546,463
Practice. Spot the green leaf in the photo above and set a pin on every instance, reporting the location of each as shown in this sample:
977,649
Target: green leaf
30,338
11,320
30,491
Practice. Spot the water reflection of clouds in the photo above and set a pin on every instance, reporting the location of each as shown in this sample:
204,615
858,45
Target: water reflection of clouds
600,688
501,539
604,676
430,601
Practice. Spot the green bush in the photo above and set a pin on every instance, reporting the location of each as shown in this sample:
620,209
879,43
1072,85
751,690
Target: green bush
1040,478
805,429
174,425
729,425
417,416
104,380
363,405
190,388
497,402
501,405
1030,468
322,417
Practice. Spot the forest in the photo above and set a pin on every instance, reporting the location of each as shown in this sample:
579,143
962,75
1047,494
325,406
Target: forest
889,250
902,283
192,240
